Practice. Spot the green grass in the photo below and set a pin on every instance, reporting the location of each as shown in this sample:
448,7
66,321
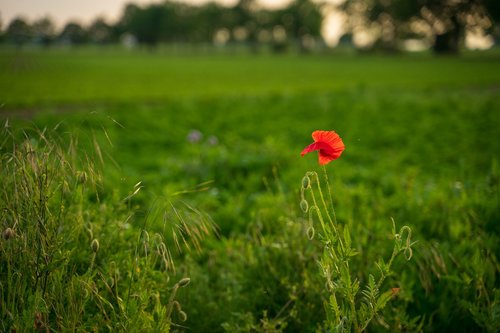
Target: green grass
422,145
32,78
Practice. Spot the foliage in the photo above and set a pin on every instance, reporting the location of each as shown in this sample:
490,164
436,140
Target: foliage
346,310
73,33
176,22
18,31
421,148
444,21
68,258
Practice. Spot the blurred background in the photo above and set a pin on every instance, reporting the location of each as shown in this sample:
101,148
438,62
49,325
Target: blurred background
444,26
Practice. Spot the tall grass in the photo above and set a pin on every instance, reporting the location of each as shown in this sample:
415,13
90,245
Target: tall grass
71,261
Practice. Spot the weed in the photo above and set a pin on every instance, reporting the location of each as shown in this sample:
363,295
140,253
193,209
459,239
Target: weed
66,260
350,306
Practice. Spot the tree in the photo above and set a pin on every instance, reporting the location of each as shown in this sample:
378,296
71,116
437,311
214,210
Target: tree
144,23
493,9
174,21
244,26
444,21
44,31
124,23
74,34
207,20
1,30
100,32
454,17
18,32
302,21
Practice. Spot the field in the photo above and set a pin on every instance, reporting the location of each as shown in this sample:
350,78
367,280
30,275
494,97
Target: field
161,191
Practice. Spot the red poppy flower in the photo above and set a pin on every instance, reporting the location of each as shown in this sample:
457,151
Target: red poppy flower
328,143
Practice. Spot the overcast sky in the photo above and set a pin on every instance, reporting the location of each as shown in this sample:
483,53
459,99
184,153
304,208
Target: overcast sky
83,11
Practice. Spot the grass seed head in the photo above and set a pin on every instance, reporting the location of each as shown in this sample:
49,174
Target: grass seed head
95,245
82,177
8,234
184,282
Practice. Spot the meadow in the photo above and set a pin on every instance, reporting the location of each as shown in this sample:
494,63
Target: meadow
161,191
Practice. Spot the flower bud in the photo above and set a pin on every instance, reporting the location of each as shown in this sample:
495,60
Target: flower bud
304,205
95,245
177,306
310,233
184,282
8,234
306,182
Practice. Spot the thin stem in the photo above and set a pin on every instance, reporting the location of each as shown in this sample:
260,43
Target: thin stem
318,184
92,262
330,198
354,317
318,213
333,225
170,304
379,284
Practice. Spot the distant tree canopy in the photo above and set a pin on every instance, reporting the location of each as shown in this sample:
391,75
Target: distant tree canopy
73,33
445,21
44,31
18,32
298,23
99,32
442,23
180,22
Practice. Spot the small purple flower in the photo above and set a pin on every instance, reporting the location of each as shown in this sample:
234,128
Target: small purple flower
194,136
212,140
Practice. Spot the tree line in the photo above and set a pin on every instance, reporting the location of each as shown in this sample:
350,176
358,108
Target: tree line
442,22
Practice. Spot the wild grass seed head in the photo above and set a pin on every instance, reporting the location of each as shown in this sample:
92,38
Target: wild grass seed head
94,245
184,282
8,234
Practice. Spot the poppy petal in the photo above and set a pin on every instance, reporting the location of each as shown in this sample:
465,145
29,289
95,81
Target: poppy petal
325,159
317,146
329,137
329,146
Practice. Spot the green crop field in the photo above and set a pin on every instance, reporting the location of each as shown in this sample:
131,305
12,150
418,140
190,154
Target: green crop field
164,191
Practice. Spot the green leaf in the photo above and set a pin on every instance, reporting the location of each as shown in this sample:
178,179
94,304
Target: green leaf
371,282
335,307
347,238
355,287
383,299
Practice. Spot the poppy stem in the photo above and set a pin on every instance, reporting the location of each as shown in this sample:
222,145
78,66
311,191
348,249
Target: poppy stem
333,225
330,198
315,207
333,222
325,206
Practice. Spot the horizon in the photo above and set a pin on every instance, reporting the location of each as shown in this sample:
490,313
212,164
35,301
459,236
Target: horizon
62,12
